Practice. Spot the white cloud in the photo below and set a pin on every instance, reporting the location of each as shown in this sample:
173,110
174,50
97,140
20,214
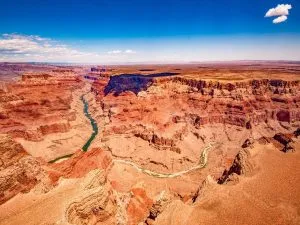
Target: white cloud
115,52
280,19
33,47
280,10
22,48
129,51
118,52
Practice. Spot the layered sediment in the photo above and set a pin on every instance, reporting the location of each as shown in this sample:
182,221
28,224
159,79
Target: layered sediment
19,172
174,145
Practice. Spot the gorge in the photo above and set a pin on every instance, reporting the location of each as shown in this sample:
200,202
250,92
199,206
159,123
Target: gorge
151,144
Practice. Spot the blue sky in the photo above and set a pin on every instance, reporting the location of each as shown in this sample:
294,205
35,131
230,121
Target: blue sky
112,31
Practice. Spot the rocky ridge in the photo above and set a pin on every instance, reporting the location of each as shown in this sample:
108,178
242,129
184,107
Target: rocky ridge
160,123
19,172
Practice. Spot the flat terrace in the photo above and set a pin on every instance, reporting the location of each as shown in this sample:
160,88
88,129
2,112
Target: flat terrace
219,71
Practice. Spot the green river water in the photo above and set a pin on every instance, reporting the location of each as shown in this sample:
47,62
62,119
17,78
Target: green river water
201,164
93,135
93,123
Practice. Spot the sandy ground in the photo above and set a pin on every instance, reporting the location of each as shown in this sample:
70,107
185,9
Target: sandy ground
270,196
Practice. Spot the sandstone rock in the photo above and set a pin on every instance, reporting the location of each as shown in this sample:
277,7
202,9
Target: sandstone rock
263,140
159,205
284,116
94,207
285,140
248,143
288,147
139,206
297,132
83,162
19,172
282,138
206,185
241,166
54,128
158,141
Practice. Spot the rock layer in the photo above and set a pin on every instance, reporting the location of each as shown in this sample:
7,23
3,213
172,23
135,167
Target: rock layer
19,172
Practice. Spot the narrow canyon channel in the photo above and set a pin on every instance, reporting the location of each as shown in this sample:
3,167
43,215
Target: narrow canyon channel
93,123
201,164
93,135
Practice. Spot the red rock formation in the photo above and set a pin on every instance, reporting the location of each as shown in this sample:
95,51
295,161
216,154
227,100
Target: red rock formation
54,128
284,140
162,132
240,166
38,105
19,172
237,103
81,163
138,207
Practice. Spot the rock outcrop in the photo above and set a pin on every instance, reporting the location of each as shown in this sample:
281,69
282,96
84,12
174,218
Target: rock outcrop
240,166
39,104
242,103
81,163
19,172
159,142
95,207
247,143
159,205
284,140
297,132
138,206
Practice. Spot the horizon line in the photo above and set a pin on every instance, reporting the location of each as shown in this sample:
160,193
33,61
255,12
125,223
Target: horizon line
155,62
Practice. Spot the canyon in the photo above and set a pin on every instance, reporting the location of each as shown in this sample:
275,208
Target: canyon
210,143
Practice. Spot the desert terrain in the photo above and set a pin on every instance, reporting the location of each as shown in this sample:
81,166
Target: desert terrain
209,143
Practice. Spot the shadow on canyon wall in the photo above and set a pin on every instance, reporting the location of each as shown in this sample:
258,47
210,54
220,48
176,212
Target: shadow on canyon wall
132,82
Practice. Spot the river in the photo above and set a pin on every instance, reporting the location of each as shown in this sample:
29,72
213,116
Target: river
201,164
93,123
93,135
